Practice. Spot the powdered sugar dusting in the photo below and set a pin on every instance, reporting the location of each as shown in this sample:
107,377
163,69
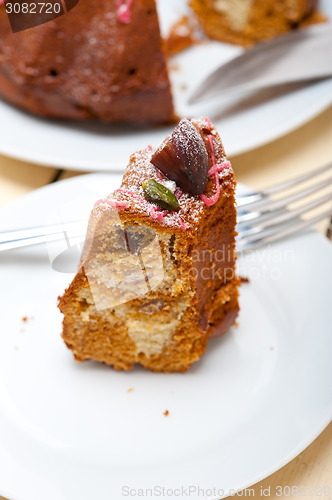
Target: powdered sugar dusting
191,208
214,170
189,141
111,203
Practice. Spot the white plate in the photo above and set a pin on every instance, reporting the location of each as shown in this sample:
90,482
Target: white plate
258,397
245,124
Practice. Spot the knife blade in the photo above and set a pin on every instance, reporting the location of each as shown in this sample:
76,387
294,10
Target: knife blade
301,55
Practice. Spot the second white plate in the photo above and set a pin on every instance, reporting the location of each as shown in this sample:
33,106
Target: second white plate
245,123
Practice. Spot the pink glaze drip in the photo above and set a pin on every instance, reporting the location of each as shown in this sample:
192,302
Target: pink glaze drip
211,201
208,123
219,168
178,193
124,10
156,213
111,203
160,177
150,148
133,195
214,170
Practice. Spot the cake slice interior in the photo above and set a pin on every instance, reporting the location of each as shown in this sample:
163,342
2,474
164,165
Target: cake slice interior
157,280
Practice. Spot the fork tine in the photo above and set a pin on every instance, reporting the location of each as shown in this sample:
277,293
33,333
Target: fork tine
33,232
277,233
281,216
249,199
269,205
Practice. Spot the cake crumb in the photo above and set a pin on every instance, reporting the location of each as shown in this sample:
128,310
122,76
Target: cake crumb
183,34
25,319
130,390
166,413
271,348
174,67
243,279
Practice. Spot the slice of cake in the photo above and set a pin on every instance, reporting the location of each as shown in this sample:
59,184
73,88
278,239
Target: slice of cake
103,60
157,275
245,22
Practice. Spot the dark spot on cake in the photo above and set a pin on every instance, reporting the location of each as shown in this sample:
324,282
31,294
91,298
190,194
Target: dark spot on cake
83,304
166,413
53,72
132,71
138,237
152,307
206,131
149,12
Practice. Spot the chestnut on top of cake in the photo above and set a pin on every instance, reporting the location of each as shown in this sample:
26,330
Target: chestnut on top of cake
157,275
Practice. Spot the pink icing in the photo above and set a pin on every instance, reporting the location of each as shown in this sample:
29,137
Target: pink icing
208,123
211,201
124,10
112,203
214,170
156,213
219,168
160,177
133,195
178,193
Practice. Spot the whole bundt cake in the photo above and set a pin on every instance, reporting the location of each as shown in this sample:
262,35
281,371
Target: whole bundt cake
102,60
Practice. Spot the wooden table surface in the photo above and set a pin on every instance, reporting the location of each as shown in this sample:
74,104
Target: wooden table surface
300,151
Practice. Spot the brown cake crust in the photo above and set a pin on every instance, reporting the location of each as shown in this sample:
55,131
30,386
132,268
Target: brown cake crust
263,20
200,283
88,65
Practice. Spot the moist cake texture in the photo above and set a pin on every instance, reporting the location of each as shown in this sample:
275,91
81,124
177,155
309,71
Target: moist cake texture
100,61
245,22
155,284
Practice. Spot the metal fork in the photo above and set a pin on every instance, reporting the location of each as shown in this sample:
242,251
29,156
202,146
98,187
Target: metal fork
262,219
